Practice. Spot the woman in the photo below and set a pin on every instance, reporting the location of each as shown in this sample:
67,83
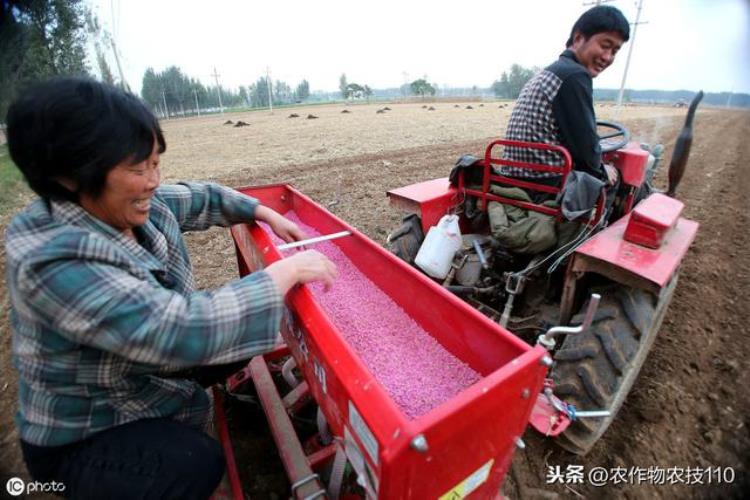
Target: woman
103,307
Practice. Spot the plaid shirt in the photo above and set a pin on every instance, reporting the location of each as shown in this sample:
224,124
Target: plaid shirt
99,320
555,107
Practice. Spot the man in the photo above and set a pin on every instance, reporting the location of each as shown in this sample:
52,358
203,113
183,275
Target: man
556,105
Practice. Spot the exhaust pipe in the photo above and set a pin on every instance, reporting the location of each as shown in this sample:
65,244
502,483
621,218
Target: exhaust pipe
682,147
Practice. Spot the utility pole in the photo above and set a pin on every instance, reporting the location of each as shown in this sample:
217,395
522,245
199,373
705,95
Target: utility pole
115,25
268,85
218,89
123,82
197,106
630,51
164,100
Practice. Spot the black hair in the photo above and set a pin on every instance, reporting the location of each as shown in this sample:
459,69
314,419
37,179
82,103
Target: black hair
78,129
600,19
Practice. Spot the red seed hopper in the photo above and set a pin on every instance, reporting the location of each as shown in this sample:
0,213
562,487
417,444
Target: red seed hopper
459,447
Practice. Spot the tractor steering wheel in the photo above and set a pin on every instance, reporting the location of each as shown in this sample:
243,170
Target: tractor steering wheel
606,139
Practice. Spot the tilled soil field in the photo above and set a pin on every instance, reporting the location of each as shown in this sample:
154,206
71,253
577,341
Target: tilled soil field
689,407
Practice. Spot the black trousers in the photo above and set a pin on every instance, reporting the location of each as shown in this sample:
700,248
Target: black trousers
151,458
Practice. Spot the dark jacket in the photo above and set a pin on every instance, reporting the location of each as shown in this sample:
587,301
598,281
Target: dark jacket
556,107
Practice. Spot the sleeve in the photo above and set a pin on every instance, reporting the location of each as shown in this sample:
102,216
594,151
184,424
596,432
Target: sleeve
199,206
101,305
573,108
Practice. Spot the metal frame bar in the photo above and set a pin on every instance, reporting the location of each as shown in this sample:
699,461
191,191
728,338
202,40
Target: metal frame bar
292,455
488,177
298,466
226,444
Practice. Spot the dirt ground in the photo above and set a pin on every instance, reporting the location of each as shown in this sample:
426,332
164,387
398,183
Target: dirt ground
690,405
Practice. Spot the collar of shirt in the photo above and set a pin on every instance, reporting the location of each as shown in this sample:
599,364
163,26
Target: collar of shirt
153,260
570,55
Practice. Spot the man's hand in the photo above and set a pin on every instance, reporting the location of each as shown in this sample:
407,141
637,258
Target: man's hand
283,227
612,174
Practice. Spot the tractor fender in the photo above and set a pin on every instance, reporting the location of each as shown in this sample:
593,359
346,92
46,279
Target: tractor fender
430,200
610,253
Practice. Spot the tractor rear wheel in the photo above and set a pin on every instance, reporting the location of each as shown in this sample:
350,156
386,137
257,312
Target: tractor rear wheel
595,370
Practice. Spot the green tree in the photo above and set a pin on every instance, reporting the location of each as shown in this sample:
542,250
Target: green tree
343,86
501,88
303,90
355,90
421,87
510,84
244,95
259,93
180,92
151,89
40,39
283,93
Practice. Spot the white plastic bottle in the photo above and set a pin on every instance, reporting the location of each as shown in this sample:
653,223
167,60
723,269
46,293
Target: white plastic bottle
439,247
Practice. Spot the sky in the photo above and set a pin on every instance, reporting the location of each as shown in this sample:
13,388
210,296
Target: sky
681,44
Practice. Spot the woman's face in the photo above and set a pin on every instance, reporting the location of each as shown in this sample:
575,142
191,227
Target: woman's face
126,199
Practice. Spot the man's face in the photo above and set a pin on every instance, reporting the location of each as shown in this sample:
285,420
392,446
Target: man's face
597,52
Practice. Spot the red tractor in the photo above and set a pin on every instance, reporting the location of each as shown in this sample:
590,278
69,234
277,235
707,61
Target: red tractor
556,334
618,269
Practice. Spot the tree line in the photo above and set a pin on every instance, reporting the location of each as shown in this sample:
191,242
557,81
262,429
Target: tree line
511,82
171,92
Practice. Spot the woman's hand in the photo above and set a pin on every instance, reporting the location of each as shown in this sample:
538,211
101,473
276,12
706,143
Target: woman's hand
283,227
302,267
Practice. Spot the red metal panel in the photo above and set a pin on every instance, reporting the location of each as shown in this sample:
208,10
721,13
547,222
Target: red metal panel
631,162
652,219
655,265
481,424
475,427
430,199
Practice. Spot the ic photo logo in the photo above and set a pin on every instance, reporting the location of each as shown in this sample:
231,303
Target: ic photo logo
15,486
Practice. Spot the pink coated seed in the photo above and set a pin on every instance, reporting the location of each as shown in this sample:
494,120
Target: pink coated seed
415,370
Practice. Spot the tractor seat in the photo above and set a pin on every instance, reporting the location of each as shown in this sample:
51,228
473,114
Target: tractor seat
491,178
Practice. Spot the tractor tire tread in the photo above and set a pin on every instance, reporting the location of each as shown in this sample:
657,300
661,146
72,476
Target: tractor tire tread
594,370
576,354
593,385
601,313
612,350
